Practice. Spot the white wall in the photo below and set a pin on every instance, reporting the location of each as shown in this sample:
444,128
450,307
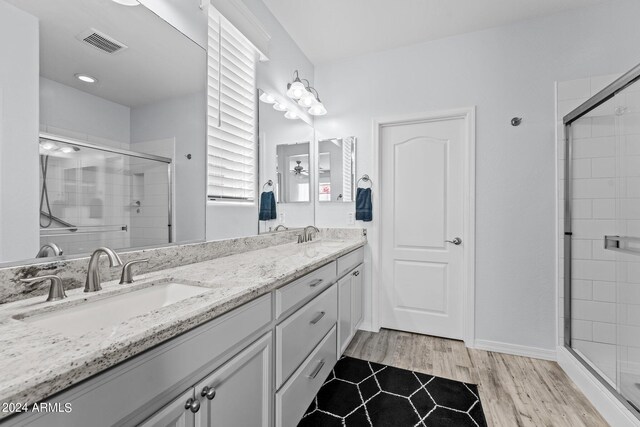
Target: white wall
18,134
184,119
233,220
506,71
70,112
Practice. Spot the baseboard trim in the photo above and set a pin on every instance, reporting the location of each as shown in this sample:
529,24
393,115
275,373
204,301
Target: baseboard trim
515,349
367,326
611,409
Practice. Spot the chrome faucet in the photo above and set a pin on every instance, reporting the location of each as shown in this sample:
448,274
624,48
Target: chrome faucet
281,226
93,272
56,288
127,274
42,253
307,235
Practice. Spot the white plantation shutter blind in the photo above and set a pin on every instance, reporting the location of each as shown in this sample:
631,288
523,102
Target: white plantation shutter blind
347,173
231,112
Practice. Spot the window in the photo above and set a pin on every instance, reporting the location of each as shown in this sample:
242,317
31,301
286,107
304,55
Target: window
231,113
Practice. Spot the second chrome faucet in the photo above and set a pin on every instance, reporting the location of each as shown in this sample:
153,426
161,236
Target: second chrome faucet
92,284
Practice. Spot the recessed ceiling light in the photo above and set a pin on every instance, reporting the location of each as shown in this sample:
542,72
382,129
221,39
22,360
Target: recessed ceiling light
127,2
85,78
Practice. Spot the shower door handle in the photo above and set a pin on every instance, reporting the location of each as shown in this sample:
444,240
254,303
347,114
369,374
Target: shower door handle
456,241
622,244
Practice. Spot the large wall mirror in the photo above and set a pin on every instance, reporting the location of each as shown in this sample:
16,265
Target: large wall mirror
336,169
286,159
107,132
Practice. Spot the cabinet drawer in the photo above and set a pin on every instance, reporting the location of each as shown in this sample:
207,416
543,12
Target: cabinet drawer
297,336
304,288
298,393
349,261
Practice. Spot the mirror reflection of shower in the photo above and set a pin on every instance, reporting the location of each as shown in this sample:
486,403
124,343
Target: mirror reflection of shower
93,195
47,148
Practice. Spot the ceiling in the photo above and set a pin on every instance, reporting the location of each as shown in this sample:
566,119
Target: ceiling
328,30
159,62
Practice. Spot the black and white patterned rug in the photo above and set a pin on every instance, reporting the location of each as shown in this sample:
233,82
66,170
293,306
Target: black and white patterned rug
360,393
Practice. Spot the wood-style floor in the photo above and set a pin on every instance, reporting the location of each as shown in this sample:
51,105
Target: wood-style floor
514,390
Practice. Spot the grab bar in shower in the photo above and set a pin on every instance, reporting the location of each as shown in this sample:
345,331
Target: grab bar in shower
92,229
622,244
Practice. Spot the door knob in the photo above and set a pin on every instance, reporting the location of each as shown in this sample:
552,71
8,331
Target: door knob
456,241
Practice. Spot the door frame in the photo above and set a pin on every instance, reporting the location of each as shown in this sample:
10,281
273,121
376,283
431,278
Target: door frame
468,114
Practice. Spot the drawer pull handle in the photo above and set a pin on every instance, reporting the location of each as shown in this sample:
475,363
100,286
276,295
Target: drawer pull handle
317,370
193,405
356,273
315,283
318,317
208,392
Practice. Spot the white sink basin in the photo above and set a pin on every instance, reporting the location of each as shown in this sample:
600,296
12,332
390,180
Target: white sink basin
330,243
110,312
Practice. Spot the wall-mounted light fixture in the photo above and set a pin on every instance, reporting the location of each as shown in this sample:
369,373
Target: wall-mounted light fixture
267,98
305,95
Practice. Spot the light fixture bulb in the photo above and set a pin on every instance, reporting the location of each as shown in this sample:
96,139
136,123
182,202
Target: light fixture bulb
86,78
291,115
127,2
67,150
307,100
48,145
279,107
267,98
318,110
296,90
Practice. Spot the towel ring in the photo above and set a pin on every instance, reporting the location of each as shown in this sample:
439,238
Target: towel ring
269,183
365,178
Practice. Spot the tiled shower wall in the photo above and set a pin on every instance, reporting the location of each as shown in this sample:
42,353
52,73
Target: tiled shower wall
149,202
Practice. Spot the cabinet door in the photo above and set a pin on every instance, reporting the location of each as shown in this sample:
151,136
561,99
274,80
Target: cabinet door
175,414
239,392
357,284
344,313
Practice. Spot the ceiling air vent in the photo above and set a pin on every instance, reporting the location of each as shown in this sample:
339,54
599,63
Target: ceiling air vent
101,41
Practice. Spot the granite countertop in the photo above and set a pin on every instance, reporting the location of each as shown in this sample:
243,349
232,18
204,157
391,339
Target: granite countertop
36,363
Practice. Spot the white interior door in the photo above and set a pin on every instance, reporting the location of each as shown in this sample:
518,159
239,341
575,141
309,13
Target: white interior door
422,208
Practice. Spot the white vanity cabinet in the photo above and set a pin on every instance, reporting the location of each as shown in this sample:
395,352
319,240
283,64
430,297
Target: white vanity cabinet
350,312
174,414
239,393
258,365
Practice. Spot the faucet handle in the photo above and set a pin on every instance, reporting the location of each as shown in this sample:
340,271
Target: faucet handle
127,274
56,289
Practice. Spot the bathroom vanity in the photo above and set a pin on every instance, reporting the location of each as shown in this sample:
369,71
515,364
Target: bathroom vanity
253,350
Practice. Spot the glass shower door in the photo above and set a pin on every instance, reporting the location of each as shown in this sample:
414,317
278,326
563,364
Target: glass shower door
593,170
605,241
94,196
626,242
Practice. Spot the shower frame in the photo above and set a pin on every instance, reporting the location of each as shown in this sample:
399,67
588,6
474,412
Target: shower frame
129,153
596,100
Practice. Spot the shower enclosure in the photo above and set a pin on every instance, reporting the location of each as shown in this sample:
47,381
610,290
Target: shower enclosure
93,195
602,236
